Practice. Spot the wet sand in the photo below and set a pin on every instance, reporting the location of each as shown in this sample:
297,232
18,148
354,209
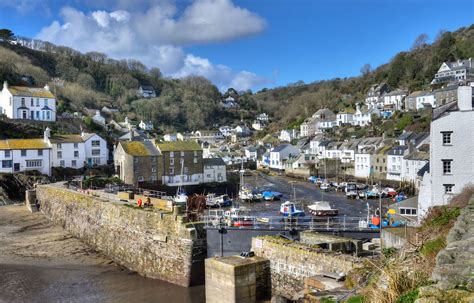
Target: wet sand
41,262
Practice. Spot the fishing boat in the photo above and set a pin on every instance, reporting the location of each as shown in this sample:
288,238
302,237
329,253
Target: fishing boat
239,216
351,190
245,194
324,186
217,201
271,195
180,198
322,209
290,209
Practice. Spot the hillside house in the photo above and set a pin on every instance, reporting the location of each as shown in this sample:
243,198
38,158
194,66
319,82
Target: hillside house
146,125
412,164
308,127
446,94
394,162
146,91
19,155
280,154
375,93
29,103
98,119
394,100
457,71
344,117
137,161
214,170
363,117
286,135
424,100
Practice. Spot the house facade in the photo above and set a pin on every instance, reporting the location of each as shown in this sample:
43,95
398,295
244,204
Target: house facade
394,99
280,154
363,163
424,100
451,165
411,165
456,71
137,162
376,91
146,125
146,91
19,155
344,118
394,162
182,163
214,170
29,103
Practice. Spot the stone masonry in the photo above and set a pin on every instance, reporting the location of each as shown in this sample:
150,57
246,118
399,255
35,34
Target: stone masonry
154,244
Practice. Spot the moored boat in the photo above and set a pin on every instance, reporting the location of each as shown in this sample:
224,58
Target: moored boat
322,209
290,209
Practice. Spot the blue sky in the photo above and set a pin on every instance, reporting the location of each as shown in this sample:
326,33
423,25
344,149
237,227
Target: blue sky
241,43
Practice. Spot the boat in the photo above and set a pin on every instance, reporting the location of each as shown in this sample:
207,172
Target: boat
246,194
181,198
271,195
322,209
290,209
239,216
217,201
351,190
389,192
324,186
263,220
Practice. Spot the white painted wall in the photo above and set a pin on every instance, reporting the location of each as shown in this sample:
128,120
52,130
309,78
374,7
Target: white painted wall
68,155
31,154
96,154
362,165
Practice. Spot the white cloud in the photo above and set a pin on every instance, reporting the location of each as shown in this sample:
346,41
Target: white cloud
157,36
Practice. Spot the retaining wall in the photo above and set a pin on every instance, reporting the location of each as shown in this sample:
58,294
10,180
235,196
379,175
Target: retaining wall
154,244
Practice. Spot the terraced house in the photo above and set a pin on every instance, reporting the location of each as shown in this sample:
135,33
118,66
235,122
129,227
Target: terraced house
182,163
18,155
32,103
137,162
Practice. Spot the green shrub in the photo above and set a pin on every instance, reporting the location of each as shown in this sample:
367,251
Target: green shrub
432,247
356,299
408,297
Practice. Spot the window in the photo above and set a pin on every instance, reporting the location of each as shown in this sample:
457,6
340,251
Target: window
73,163
58,146
446,138
95,143
76,145
195,160
208,176
182,153
448,188
141,179
40,152
32,102
37,115
7,154
34,163
195,153
22,101
408,211
23,152
447,166
76,154
95,152
96,161
171,154
7,163
61,163
59,154
172,161
171,170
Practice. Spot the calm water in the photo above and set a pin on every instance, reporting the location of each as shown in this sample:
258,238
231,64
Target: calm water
24,283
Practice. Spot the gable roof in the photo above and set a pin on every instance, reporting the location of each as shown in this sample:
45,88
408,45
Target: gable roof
66,139
23,144
282,147
213,162
37,92
178,146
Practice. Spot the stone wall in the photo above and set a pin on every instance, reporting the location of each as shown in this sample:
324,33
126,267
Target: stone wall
292,262
154,244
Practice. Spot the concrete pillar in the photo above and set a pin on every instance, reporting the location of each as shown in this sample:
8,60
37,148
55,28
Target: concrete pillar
235,279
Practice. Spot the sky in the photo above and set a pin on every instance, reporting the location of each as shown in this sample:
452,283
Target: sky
245,44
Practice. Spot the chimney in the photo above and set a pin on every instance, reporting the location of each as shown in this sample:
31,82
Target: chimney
465,98
357,107
46,87
46,134
5,84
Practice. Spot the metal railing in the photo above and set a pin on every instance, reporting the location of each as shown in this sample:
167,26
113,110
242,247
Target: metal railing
278,222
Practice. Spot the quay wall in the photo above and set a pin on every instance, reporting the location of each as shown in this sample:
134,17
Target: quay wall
154,244
292,262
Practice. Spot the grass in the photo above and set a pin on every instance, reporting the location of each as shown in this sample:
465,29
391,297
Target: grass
408,297
432,247
356,299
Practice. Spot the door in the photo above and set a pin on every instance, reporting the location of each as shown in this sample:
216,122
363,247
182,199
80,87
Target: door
24,115
16,167
89,161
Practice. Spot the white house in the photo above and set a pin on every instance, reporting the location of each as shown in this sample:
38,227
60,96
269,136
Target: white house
374,95
146,91
214,170
98,119
451,165
394,99
242,130
263,118
363,117
21,102
18,155
280,154
411,165
308,127
394,162
363,162
251,153
424,99
286,135
96,150
148,125
170,137
460,70
344,118
226,131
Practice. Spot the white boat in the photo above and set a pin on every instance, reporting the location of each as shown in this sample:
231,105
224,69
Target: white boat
246,194
351,190
324,186
290,209
239,216
217,201
322,209
181,198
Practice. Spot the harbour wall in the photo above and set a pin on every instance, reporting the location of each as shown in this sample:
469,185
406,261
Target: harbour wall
292,262
154,244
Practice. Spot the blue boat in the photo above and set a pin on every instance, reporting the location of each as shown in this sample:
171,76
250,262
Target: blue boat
289,209
269,195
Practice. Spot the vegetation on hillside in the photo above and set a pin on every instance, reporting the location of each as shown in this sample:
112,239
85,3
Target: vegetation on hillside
93,80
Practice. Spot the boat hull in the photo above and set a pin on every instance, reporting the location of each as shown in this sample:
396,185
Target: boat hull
324,213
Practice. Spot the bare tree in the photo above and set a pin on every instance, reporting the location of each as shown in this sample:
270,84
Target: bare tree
420,42
366,69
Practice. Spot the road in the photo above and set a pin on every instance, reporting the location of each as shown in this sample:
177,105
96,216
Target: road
306,193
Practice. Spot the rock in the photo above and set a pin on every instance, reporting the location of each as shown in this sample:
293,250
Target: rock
426,300
456,295
430,292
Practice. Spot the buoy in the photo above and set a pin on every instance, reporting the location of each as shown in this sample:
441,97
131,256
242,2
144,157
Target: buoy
376,221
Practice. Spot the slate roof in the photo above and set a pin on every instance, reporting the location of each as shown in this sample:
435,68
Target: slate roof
213,162
442,110
66,139
25,91
139,148
418,155
424,169
397,150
